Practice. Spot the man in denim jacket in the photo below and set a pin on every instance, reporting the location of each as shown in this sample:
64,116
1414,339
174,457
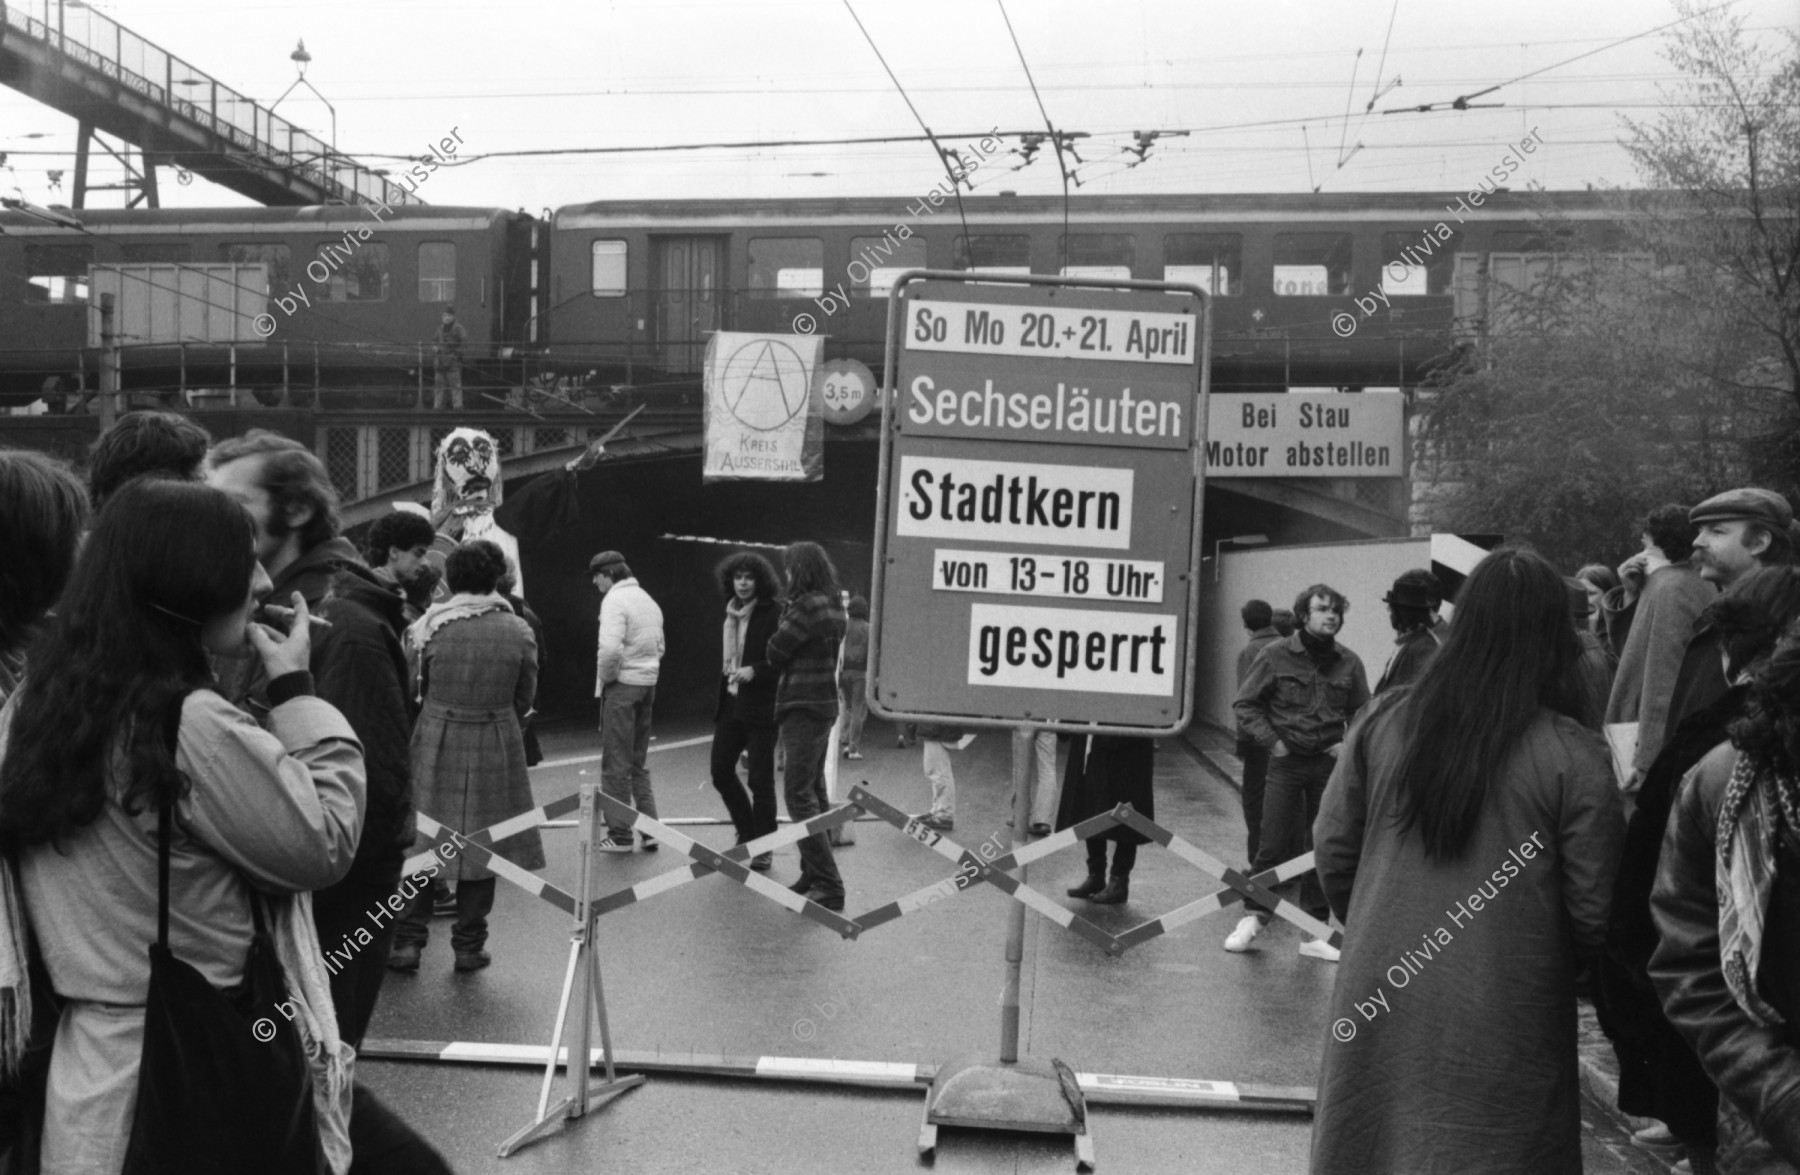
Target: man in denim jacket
1297,702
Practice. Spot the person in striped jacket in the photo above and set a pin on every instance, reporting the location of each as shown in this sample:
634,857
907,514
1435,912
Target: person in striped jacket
804,650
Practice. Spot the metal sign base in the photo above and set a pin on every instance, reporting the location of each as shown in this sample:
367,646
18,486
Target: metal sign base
583,972
1011,1093
1027,1096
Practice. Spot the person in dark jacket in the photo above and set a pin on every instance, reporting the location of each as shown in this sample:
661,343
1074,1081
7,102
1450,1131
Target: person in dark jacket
508,589
358,666
804,650
744,715
1259,620
1298,702
1727,912
1739,531
1106,770
1412,605
1659,1076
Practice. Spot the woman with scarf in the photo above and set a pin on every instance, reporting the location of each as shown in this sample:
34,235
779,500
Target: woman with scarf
475,669
744,716
117,721
1468,839
1727,908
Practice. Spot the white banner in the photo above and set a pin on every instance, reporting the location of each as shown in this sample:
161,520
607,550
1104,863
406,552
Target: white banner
764,416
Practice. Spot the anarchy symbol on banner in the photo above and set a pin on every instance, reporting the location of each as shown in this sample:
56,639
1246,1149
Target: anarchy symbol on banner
763,384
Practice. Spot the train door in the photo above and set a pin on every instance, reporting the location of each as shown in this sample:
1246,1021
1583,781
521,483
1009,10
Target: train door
687,298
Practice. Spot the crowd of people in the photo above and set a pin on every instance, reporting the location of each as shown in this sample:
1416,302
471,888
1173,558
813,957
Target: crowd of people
220,716
1584,783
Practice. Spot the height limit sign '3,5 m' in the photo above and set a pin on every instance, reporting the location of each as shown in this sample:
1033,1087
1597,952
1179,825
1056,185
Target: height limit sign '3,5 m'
1039,511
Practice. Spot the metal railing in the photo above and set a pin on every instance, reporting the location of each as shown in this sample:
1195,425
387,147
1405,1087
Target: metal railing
116,52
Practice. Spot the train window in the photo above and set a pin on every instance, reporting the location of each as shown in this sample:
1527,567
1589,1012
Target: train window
1311,264
994,252
885,259
1408,271
1108,255
274,257
57,273
170,254
351,275
437,271
608,268
1197,257
787,267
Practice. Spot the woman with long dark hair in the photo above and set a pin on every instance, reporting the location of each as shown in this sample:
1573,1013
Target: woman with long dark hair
805,651
1468,840
168,575
744,716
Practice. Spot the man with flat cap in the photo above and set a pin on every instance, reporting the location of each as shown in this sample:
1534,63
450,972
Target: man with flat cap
630,658
1412,605
1739,531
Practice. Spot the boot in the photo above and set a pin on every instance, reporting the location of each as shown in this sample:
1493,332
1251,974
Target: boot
1115,893
1094,884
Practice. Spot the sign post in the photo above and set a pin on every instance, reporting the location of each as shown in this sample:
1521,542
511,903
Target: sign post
1037,557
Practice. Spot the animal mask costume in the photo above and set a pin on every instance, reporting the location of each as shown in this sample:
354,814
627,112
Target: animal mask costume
468,479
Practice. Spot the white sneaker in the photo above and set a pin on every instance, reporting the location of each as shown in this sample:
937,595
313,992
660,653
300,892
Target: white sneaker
1318,948
607,844
1248,927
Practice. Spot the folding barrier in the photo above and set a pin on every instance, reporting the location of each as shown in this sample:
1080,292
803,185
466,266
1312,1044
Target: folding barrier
995,870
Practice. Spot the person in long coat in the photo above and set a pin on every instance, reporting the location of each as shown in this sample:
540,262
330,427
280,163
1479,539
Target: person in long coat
477,676
1468,840
1104,771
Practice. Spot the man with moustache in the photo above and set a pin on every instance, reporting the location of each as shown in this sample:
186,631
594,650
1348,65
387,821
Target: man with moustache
1739,531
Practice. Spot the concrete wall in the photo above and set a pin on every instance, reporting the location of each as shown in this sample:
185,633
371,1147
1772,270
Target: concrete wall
1362,570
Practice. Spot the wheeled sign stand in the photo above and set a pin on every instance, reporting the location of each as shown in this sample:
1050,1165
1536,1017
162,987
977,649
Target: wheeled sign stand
1010,1094
584,968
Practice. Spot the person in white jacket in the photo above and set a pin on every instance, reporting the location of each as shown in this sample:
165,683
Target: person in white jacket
630,657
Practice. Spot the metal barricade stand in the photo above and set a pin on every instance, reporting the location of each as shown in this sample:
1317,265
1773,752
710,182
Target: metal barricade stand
583,975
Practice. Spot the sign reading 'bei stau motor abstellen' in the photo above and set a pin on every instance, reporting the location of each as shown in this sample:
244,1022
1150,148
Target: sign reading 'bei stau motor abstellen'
1040,503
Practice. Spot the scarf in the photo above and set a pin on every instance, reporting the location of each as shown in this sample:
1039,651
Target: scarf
331,1060
737,627
1744,876
1321,650
461,606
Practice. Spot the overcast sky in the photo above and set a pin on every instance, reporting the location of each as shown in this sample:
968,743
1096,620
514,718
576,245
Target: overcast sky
529,76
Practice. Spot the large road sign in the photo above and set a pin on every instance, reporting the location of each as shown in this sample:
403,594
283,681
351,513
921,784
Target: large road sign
1039,510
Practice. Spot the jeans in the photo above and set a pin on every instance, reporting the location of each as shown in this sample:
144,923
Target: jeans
1255,758
449,375
624,747
468,934
338,912
942,777
806,738
1290,805
853,696
752,815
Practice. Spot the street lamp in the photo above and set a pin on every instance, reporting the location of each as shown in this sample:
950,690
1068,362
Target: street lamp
1242,540
301,59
